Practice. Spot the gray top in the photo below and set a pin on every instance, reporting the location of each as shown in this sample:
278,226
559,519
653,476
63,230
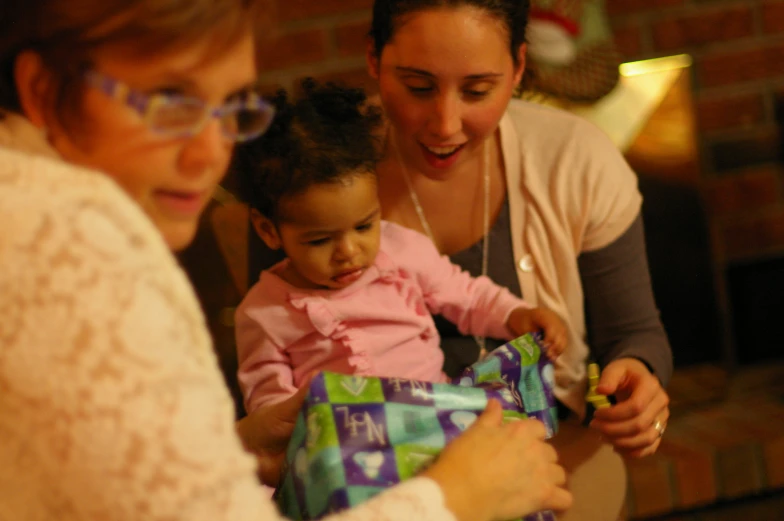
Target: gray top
622,318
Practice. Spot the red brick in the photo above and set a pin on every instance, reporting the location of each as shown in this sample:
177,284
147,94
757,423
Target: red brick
773,452
649,485
749,149
755,235
773,17
743,192
357,77
617,7
703,28
352,38
696,386
708,430
729,112
739,66
288,10
695,473
296,49
739,471
628,39
764,422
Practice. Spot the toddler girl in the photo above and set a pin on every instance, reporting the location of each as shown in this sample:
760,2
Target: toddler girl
354,294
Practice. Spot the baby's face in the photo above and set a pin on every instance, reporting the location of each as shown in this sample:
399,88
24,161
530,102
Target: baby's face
331,232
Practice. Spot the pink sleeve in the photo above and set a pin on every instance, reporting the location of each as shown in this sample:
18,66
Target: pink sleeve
476,305
265,375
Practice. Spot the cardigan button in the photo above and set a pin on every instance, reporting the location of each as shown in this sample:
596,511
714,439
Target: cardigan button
526,263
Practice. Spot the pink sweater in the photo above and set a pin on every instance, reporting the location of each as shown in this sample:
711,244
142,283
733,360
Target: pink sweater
380,325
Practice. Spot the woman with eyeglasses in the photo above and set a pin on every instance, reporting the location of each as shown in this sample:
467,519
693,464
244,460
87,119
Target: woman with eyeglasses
117,122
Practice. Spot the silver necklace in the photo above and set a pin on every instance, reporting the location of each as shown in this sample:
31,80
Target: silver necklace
480,340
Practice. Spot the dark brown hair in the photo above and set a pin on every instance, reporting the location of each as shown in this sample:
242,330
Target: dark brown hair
66,32
389,15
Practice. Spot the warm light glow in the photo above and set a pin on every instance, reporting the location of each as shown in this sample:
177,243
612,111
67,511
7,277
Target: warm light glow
666,63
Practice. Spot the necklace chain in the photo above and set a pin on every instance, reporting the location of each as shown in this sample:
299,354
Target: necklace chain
480,340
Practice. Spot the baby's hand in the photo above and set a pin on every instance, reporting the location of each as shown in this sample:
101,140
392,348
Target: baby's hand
524,320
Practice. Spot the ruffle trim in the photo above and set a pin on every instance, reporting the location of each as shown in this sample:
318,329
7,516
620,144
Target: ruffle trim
319,309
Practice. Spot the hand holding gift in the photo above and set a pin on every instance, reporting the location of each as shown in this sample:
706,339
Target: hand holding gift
636,422
480,471
357,436
532,320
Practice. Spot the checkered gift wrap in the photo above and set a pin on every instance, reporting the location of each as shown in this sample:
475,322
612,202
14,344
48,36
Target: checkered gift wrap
356,436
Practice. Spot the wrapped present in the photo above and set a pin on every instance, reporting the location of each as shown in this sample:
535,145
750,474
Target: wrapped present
356,436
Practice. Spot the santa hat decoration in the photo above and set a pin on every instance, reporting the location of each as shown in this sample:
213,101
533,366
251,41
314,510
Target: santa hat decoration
570,49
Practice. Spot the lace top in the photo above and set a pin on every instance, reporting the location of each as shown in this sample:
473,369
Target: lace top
112,405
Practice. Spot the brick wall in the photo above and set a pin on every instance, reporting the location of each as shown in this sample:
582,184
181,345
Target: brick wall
738,82
320,38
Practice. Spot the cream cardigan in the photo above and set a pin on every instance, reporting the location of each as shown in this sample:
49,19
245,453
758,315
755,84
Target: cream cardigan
582,197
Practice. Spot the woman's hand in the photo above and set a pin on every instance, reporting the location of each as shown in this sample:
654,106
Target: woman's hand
529,320
636,423
496,471
266,433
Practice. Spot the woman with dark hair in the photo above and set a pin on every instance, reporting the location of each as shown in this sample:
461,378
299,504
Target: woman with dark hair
537,199
118,119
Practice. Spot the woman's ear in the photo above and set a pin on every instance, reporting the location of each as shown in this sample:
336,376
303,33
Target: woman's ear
520,67
266,230
372,59
33,83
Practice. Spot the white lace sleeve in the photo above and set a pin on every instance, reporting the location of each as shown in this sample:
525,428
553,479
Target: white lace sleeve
112,406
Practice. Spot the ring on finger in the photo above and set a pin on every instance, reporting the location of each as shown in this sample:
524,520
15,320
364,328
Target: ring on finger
659,427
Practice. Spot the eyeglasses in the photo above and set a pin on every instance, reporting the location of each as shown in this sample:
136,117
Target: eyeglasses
242,119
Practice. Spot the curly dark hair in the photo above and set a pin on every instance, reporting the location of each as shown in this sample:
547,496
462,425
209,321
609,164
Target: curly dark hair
326,135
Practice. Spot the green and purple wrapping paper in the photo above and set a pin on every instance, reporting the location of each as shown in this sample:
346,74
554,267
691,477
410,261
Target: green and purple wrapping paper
356,436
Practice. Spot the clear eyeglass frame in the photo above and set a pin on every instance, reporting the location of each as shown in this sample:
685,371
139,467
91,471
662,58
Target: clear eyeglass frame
242,119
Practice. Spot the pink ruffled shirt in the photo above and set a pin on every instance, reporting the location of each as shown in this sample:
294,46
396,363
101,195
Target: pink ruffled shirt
381,325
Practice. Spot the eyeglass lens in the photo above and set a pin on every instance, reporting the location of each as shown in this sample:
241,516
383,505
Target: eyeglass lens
180,117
